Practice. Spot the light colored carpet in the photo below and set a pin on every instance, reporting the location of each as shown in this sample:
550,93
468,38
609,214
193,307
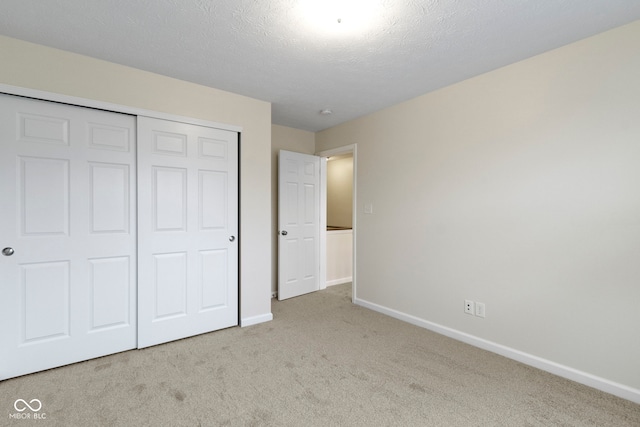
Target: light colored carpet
321,362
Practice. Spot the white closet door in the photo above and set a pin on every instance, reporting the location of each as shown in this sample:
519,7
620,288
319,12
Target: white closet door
188,230
67,180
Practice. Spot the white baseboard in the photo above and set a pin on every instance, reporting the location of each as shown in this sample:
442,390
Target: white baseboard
256,319
339,281
585,378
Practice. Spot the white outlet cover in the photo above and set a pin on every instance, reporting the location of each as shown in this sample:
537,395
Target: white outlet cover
469,307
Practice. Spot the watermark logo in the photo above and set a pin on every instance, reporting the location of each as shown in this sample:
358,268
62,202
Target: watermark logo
34,406
21,405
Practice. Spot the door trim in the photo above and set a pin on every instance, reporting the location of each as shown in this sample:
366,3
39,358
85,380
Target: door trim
352,148
322,262
116,108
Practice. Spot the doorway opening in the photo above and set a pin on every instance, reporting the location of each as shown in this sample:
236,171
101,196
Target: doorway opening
339,235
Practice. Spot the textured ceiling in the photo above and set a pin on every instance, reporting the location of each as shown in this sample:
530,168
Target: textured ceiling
270,49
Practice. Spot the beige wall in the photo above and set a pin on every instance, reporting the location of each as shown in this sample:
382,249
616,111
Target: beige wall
340,192
519,188
290,139
38,67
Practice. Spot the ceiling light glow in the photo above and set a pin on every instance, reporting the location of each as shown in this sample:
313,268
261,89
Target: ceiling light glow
340,16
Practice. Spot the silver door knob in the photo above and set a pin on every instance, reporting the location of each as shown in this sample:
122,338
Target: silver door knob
232,238
284,232
7,251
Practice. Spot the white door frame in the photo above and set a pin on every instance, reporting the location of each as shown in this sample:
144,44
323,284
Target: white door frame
116,108
353,148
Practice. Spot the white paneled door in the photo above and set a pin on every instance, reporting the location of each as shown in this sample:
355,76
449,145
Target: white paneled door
298,224
188,230
67,234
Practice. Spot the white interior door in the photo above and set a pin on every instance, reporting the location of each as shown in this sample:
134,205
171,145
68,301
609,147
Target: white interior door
67,223
298,224
188,230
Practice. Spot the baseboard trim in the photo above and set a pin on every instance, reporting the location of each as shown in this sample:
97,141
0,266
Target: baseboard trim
567,372
248,321
339,281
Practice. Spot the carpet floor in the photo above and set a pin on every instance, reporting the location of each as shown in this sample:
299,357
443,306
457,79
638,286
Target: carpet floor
322,361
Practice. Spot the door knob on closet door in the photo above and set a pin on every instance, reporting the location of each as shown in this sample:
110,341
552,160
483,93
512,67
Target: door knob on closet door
7,251
232,238
284,232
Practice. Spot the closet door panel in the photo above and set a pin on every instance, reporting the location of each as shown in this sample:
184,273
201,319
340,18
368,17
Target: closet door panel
68,221
188,230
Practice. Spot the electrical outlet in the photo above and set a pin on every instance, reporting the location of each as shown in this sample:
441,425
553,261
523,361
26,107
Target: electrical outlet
480,309
468,307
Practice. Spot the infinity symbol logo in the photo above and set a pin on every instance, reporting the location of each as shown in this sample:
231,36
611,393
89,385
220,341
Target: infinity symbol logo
25,405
